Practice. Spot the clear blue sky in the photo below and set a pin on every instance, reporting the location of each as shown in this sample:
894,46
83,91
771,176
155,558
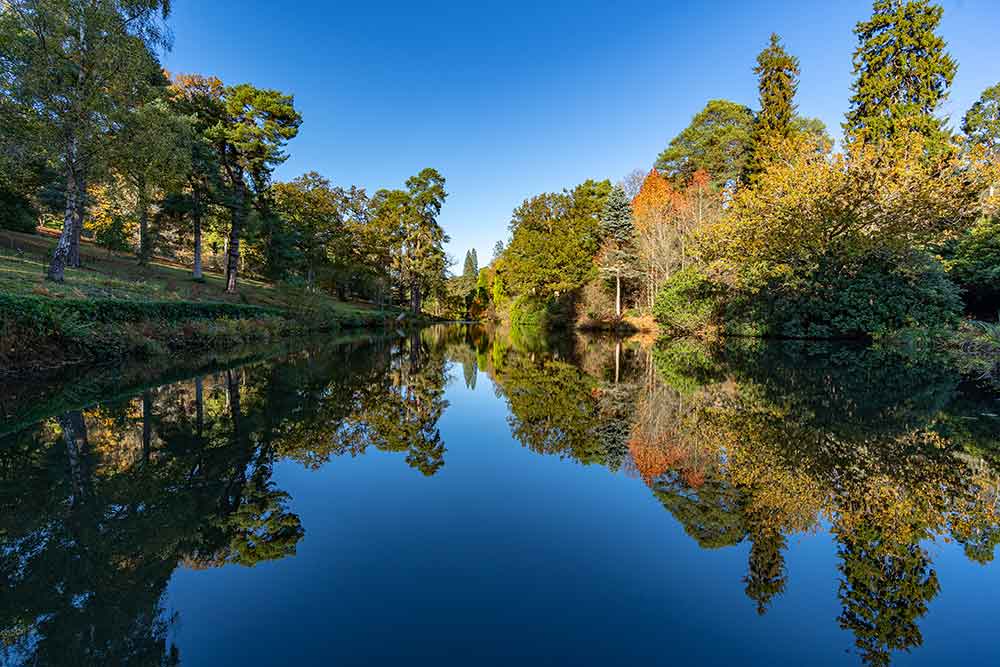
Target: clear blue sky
509,99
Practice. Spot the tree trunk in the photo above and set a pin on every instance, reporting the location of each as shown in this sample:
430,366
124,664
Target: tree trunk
79,209
618,295
145,252
60,257
196,214
74,429
233,260
415,297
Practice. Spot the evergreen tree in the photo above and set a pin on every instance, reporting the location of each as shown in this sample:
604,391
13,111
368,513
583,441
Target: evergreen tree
616,220
903,72
618,255
982,123
718,140
497,250
471,269
777,74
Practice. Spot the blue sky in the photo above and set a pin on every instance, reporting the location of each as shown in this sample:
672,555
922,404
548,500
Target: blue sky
509,99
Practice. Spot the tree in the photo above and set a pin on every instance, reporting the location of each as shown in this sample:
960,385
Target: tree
423,257
982,122
200,98
717,141
471,268
777,75
498,249
902,73
618,256
152,152
76,66
249,140
554,239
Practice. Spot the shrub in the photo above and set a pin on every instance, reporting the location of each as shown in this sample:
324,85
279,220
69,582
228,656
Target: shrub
974,264
855,296
689,302
17,213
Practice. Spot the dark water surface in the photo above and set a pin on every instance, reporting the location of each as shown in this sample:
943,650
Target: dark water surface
466,497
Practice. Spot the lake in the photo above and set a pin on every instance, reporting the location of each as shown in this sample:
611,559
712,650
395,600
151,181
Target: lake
468,496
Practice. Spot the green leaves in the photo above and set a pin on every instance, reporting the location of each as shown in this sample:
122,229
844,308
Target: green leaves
903,72
717,140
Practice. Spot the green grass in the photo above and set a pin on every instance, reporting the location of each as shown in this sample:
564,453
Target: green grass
112,308
24,259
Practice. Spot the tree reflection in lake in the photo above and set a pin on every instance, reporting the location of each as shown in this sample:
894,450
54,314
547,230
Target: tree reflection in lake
101,504
744,443
755,443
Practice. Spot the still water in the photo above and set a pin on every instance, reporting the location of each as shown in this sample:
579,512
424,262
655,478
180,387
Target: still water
470,497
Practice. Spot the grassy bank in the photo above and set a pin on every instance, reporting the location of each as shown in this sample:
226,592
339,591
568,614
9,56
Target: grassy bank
112,308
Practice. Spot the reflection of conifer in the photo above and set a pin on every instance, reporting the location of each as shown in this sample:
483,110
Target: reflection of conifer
766,577
885,589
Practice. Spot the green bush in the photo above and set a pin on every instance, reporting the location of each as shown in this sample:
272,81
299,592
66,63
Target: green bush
688,302
855,296
16,212
974,264
842,296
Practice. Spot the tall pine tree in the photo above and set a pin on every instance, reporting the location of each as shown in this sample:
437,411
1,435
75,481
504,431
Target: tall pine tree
777,75
902,72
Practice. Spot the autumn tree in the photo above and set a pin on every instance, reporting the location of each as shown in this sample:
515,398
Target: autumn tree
902,73
76,66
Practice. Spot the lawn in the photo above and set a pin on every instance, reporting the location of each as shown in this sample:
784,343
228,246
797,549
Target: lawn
24,259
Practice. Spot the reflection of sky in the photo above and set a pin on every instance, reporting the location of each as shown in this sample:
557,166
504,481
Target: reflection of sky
509,554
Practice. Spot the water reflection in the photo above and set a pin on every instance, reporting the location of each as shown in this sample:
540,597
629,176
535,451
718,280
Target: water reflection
104,499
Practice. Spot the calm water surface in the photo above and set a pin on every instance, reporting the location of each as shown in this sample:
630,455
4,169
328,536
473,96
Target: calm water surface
468,497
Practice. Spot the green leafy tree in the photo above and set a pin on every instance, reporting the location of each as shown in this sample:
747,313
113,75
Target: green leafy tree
777,75
471,268
718,140
618,257
982,122
152,152
424,260
249,140
199,98
554,239
76,66
903,73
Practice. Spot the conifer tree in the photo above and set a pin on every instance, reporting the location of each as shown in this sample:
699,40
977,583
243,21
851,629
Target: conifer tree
902,72
471,268
777,74
618,255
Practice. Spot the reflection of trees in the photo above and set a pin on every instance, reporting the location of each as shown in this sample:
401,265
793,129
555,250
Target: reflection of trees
852,435
750,443
99,507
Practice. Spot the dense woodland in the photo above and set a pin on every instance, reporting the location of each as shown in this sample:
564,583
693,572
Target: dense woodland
99,141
